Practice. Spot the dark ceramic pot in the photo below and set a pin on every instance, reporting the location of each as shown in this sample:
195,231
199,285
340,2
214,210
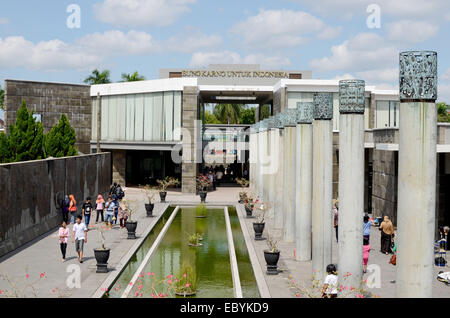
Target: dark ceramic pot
259,229
102,256
163,195
131,228
149,209
248,211
203,195
272,261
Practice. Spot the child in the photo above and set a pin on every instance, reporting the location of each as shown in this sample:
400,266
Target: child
329,289
366,249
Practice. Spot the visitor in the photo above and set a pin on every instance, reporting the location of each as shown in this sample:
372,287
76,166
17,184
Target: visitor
87,210
219,176
336,217
211,178
387,232
100,206
72,208
119,192
366,250
65,208
63,235
109,211
443,233
79,237
112,190
330,284
116,209
123,214
367,225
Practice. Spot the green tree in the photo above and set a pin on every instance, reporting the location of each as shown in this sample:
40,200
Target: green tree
247,116
133,77
2,98
26,137
442,112
98,77
5,148
228,113
60,141
210,118
265,112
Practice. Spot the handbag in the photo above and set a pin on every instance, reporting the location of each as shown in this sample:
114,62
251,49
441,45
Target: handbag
393,260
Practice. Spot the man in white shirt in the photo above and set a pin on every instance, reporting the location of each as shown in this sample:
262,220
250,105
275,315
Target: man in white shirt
79,237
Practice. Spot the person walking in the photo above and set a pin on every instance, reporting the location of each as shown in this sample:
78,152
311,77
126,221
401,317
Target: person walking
123,214
366,250
336,218
109,211
72,208
330,284
112,190
63,235
367,226
79,237
87,211
99,206
65,208
387,232
219,176
116,208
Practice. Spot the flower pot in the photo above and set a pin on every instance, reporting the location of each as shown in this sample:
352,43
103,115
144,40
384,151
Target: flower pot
185,294
249,212
131,228
102,256
203,196
259,229
149,209
163,195
272,261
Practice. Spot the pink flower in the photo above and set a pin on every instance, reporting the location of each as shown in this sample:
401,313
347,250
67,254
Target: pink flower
169,281
27,276
187,285
184,275
136,294
131,283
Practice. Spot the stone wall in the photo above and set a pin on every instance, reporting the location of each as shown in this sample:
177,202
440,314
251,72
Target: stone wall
279,100
119,162
190,114
51,100
31,193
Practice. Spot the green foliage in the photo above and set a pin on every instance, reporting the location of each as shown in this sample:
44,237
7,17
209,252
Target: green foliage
60,141
247,116
442,112
2,98
98,77
228,113
265,112
186,281
201,210
5,149
132,77
210,118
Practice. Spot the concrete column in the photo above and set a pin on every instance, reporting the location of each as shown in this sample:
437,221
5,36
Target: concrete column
190,142
262,145
303,177
290,134
252,153
351,180
322,227
279,175
416,174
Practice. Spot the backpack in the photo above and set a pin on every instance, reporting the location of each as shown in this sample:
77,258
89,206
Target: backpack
119,193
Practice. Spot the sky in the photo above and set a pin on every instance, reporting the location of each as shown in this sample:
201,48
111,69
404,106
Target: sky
43,41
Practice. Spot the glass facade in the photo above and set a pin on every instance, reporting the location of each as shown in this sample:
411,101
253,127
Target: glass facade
139,117
386,113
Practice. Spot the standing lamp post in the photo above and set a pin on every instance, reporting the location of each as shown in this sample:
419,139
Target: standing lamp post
303,187
351,180
290,128
416,174
322,183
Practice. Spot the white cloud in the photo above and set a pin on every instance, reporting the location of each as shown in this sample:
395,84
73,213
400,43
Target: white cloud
281,28
379,75
446,75
411,31
141,12
365,51
343,77
16,51
201,59
4,20
329,33
444,93
192,41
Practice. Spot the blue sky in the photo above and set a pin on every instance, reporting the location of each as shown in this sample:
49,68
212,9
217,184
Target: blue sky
331,38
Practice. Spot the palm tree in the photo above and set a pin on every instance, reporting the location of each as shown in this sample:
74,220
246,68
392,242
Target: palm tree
228,113
134,77
98,77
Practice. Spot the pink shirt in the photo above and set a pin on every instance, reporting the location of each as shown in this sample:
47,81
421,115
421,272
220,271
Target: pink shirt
366,249
63,232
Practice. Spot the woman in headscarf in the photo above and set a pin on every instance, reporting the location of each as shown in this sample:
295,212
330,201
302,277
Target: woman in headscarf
387,231
100,207
72,209
65,208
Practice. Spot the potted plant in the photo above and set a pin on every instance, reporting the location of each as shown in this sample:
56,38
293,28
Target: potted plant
203,183
186,282
150,192
130,224
194,240
164,184
259,225
249,205
272,255
102,253
244,184
201,211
